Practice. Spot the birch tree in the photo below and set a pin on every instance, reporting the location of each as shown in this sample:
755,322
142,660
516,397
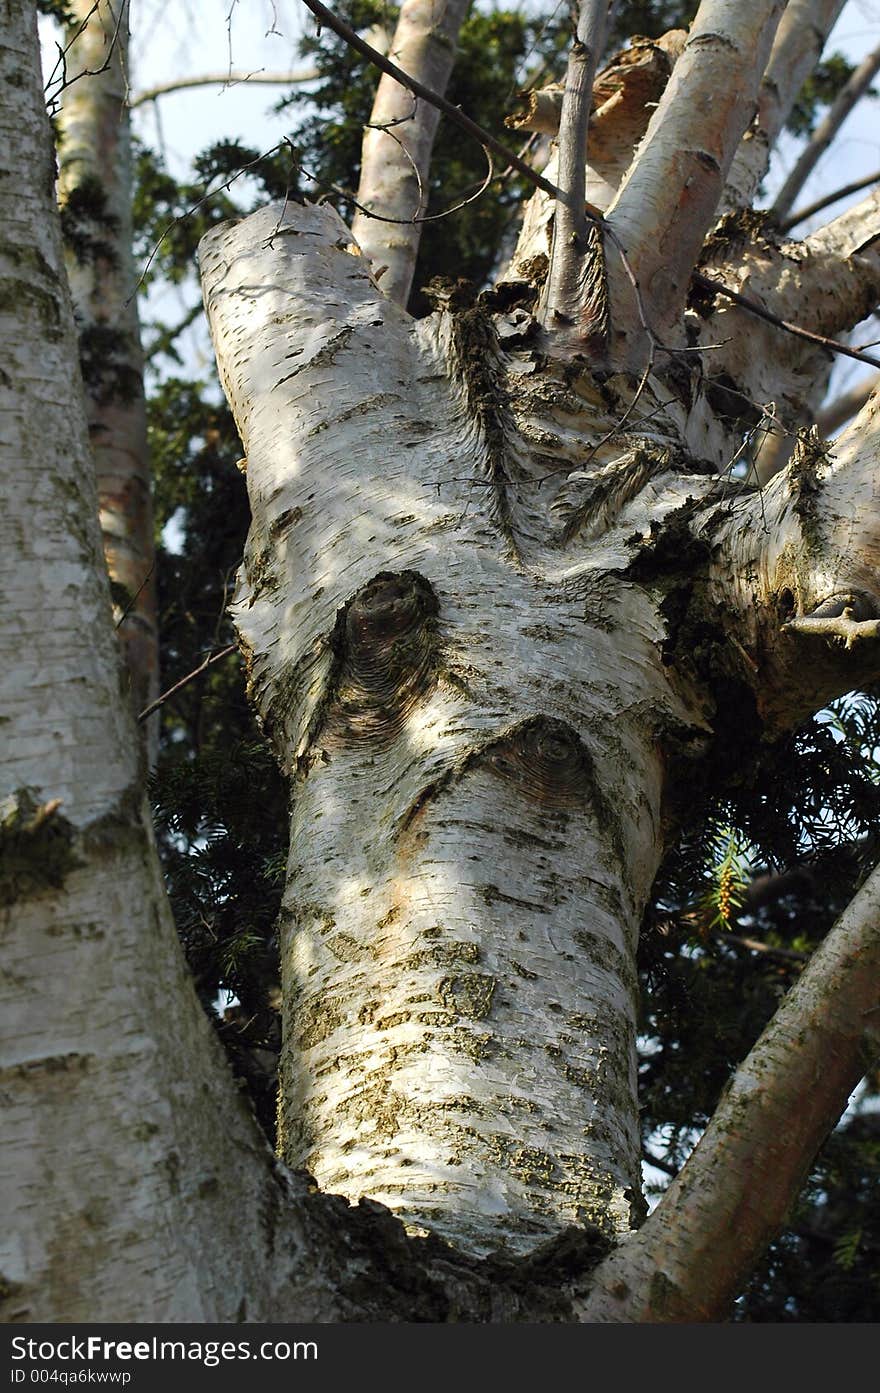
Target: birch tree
95,186
505,605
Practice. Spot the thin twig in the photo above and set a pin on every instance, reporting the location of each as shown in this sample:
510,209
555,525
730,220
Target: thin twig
825,132
709,283
209,661
87,72
134,599
801,214
665,1166
227,79
756,945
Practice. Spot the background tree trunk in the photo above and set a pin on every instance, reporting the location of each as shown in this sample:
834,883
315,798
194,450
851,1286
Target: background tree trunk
96,197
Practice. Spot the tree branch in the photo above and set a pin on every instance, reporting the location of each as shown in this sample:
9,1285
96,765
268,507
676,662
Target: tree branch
855,232
184,681
454,113
229,78
709,283
797,46
564,288
693,1253
825,132
845,406
808,209
398,141
669,199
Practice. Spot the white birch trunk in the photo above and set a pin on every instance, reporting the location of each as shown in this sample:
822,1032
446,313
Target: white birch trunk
133,1176
457,606
396,154
496,638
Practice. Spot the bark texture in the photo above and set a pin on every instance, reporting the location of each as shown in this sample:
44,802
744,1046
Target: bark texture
501,615
669,199
124,1135
798,44
472,844
458,957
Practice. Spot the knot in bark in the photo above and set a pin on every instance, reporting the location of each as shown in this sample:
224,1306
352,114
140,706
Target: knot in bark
547,759
388,651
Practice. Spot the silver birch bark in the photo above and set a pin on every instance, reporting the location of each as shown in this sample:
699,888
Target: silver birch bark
129,1158
473,683
799,41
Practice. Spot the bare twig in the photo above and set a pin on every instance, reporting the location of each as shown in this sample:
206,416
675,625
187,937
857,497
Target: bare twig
134,599
839,628
61,62
807,211
756,945
209,661
225,79
825,132
834,345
